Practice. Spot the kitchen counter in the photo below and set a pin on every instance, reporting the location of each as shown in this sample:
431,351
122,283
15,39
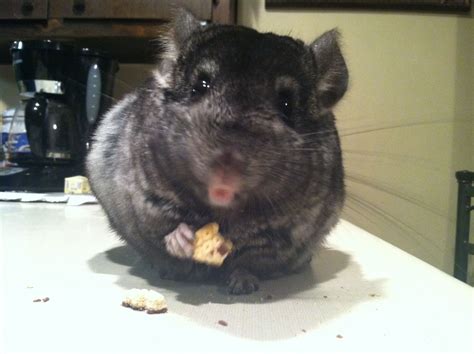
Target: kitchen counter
360,294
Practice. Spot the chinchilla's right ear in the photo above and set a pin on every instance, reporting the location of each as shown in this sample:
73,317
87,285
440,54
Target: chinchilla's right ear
180,29
183,25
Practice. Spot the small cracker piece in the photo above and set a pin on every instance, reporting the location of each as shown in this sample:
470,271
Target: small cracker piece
143,299
155,302
135,298
77,185
210,247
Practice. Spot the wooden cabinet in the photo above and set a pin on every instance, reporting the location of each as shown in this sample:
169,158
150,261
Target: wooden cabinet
124,28
126,9
23,10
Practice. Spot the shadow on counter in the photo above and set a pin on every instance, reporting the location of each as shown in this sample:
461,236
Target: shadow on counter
330,286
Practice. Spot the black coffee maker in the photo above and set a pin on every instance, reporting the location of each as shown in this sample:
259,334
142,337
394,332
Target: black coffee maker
65,89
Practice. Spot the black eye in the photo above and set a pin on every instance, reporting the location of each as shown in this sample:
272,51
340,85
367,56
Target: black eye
202,85
285,106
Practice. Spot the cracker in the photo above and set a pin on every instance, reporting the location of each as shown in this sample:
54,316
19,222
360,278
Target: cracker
210,247
143,299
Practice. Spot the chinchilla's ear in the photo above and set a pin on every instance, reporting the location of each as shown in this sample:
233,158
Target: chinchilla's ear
331,70
180,29
183,25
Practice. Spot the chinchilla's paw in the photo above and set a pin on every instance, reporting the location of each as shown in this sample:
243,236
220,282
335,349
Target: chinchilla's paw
179,242
242,282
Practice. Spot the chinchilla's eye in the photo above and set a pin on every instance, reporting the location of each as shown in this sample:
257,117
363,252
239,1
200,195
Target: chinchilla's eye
201,86
285,106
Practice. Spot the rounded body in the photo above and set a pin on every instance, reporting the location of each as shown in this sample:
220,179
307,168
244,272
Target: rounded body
234,127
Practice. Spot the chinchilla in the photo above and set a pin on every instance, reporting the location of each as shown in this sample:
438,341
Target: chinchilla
235,127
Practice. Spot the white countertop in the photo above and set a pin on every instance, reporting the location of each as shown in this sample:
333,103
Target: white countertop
361,294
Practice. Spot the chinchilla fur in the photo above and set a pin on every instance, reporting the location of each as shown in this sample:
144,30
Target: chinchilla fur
256,108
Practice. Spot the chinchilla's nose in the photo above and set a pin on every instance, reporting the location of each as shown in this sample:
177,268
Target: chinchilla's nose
229,158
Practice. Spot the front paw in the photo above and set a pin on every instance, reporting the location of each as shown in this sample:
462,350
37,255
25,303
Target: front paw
242,282
179,242
178,269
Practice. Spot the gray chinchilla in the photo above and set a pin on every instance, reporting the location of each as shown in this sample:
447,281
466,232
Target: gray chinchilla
234,127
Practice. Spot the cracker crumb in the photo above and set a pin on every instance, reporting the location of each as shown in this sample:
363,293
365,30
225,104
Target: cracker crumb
152,312
222,323
46,299
142,299
37,300
339,336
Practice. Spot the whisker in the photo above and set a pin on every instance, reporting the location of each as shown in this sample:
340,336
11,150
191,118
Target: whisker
395,222
367,128
347,132
102,94
270,202
125,83
394,158
302,149
392,220
347,207
366,181
319,132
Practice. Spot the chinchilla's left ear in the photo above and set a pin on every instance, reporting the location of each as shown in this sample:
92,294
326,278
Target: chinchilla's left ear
331,70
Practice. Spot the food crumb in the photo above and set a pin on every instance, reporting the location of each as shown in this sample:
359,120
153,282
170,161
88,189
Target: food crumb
152,312
46,299
339,336
374,295
325,296
37,300
222,323
144,299
303,330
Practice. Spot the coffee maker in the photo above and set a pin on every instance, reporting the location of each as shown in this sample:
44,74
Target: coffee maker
64,90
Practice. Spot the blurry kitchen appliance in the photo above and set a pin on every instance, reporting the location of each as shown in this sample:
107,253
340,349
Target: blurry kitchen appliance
14,140
64,90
